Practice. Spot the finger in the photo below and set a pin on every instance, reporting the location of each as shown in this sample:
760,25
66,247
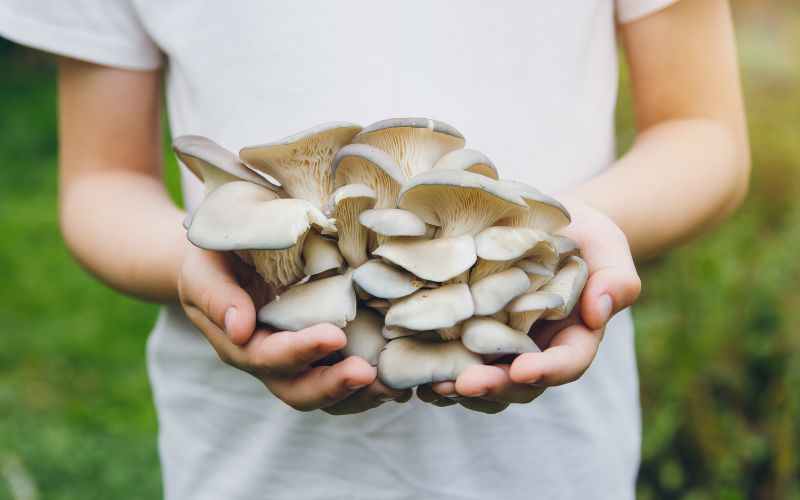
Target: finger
287,353
426,394
367,398
569,355
322,386
613,282
493,383
446,389
209,284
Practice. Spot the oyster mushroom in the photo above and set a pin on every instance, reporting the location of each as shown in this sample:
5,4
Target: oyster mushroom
489,336
439,259
565,247
468,160
567,284
432,309
346,205
415,143
264,231
498,247
302,162
543,212
384,281
492,293
526,309
410,361
364,164
364,337
329,300
396,332
380,305
388,223
213,164
320,255
538,274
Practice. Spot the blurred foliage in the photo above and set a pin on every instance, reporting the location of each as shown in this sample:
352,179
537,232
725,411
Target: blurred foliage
719,353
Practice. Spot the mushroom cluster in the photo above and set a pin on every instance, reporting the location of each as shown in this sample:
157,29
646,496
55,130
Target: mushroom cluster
395,233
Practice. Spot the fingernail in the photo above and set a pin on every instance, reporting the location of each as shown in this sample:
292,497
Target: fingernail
354,386
605,306
230,317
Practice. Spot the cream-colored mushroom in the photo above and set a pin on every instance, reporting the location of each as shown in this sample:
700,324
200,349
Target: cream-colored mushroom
384,281
364,164
566,247
568,284
396,332
492,293
498,247
302,162
469,160
439,259
321,255
387,223
329,300
264,231
346,205
364,337
415,143
432,309
537,273
526,309
410,361
543,212
489,336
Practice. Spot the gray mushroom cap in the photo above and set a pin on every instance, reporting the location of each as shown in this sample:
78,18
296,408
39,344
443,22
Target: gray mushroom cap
468,160
415,143
393,222
492,293
543,212
437,260
431,309
301,162
459,202
364,337
242,216
368,165
499,246
565,246
537,273
213,164
329,300
489,336
410,361
396,332
384,281
568,284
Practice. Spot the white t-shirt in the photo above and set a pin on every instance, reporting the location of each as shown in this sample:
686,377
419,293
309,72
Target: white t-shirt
531,83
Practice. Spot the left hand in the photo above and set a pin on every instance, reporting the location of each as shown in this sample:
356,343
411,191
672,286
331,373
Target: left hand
568,346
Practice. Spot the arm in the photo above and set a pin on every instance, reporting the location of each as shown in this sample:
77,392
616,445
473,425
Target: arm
120,224
687,171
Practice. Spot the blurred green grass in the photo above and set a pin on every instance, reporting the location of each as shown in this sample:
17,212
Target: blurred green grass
718,345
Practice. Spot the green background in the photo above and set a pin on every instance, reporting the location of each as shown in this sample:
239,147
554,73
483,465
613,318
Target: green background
718,323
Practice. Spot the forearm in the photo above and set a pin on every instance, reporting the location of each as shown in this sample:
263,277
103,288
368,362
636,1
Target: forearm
123,228
680,178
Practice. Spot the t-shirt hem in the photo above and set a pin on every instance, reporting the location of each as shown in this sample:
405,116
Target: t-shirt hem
635,10
78,45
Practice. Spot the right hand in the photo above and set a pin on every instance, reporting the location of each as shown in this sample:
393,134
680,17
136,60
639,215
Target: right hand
220,295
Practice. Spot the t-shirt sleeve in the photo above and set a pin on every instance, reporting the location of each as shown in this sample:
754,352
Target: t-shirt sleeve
630,10
107,32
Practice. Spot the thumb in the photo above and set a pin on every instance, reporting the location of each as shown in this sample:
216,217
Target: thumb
209,284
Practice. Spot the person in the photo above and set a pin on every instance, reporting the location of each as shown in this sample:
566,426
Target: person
530,83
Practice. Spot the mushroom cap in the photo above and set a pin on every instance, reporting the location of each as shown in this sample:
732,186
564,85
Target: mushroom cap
537,273
393,222
320,254
567,284
301,162
415,143
543,212
380,305
489,336
365,164
492,293
437,260
349,192
459,202
409,361
364,337
396,332
536,301
430,309
468,160
329,300
243,216
345,206
503,243
384,281
213,164
565,246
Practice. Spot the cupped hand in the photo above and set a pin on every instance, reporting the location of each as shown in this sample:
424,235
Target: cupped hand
568,346
220,295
